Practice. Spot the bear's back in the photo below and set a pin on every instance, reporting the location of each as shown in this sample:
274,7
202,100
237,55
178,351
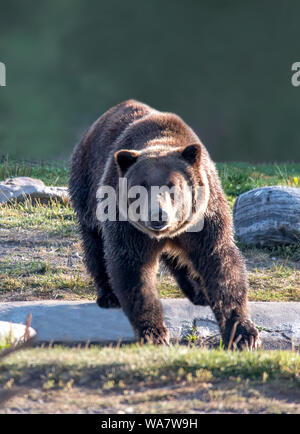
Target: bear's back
90,156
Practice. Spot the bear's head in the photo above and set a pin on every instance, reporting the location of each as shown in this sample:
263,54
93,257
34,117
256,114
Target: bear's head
166,190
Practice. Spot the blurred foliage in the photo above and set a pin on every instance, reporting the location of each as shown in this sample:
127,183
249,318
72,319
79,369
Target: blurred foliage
225,67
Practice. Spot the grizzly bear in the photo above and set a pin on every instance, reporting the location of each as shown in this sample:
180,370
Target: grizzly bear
148,148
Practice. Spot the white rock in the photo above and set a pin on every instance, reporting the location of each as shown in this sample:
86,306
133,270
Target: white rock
13,332
23,187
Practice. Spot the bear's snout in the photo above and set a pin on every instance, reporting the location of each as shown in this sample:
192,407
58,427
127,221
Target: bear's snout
159,220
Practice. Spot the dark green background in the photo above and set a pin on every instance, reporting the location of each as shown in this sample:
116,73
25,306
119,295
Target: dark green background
224,66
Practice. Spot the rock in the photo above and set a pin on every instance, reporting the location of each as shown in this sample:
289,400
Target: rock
22,187
268,216
13,332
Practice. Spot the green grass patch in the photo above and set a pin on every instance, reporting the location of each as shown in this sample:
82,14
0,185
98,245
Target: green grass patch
54,219
39,278
48,285
24,269
238,178
168,288
288,252
54,173
133,364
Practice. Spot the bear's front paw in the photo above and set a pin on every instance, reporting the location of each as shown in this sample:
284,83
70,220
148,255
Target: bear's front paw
107,300
155,335
242,335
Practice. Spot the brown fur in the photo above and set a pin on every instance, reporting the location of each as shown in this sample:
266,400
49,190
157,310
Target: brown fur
142,144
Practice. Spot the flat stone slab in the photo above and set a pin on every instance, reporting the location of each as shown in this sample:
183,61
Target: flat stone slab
74,322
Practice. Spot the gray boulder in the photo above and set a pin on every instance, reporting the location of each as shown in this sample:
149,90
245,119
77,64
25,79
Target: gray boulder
268,216
23,187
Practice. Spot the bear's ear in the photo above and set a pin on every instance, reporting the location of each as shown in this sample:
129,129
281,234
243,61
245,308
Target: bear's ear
124,159
192,154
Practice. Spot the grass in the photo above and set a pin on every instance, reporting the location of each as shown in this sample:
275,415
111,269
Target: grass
135,378
236,177
7,342
58,286
39,239
54,219
54,173
278,283
40,279
134,363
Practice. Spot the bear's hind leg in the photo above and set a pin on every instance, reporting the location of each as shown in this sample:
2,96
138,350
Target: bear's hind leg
192,288
95,263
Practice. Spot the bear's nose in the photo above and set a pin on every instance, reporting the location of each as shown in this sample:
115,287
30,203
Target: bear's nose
159,220
158,226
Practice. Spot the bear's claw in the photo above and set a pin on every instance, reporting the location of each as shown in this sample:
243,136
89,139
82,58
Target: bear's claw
244,334
154,335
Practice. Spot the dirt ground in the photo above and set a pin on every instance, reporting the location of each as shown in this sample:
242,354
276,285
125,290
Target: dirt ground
37,265
211,397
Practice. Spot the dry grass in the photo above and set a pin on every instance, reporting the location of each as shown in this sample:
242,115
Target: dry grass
37,264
